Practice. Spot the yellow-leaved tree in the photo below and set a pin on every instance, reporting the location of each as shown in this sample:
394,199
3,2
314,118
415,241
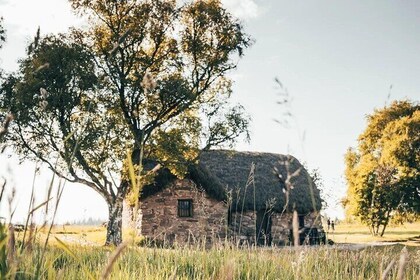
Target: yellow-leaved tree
383,171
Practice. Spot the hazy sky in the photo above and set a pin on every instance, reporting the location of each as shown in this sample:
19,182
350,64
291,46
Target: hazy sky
337,59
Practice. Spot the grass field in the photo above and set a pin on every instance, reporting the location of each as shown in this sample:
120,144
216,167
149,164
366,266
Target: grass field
407,234
83,257
222,263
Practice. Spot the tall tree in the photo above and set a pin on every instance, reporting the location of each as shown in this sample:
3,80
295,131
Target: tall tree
383,172
145,76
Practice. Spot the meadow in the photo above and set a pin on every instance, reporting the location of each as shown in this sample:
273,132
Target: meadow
345,233
78,254
407,234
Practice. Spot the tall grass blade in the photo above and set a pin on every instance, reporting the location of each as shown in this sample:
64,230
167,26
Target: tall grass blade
295,228
66,249
39,206
112,259
402,263
387,270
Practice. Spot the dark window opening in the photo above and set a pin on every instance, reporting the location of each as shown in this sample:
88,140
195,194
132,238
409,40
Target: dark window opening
185,208
301,221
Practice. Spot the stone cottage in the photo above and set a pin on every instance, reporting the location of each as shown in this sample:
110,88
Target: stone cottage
246,197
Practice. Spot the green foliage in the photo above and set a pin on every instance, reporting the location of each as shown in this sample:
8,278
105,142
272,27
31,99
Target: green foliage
57,106
140,77
383,173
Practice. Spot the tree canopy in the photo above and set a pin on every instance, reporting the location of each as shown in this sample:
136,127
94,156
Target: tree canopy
383,172
144,76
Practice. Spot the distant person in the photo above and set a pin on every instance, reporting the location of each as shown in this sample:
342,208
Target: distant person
328,223
332,225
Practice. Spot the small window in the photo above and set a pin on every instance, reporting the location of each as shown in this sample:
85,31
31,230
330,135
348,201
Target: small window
185,208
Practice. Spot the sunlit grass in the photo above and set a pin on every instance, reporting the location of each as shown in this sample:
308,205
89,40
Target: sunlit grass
228,263
344,233
78,235
357,233
224,262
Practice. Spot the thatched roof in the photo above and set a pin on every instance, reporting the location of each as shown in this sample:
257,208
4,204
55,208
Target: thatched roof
226,175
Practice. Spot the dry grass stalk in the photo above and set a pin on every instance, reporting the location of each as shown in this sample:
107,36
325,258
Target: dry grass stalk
173,275
295,228
3,188
11,244
249,182
387,270
112,259
31,202
227,271
29,224
402,263
31,237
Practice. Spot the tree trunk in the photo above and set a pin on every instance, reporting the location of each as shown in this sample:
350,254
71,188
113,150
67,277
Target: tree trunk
114,227
377,229
115,207
385,225
372,226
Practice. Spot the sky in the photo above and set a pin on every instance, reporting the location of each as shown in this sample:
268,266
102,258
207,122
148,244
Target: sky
337,61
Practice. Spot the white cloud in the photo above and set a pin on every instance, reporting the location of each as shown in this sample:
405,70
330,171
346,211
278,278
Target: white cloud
243,9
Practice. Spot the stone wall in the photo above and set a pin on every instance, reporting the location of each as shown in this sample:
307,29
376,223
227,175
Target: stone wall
242,227
157,218
280,228
313,220
282,224
160,220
